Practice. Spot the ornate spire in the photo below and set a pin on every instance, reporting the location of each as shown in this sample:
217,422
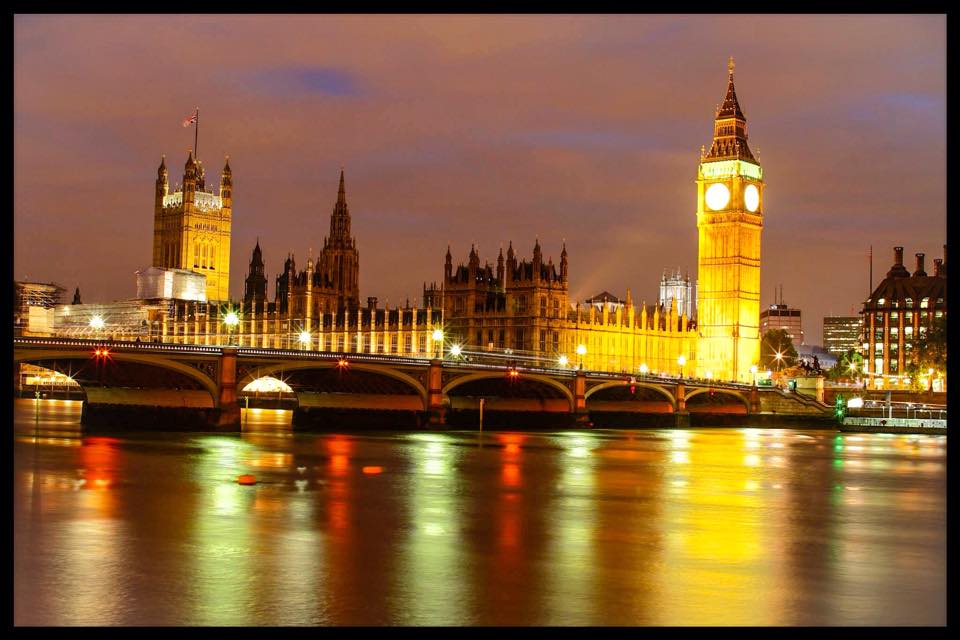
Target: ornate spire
340,219
162,169
730,128
226,166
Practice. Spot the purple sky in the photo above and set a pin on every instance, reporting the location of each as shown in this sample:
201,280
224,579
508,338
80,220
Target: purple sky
460,129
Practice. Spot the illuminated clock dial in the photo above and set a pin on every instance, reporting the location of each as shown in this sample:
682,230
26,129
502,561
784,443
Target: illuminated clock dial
717,196
751,197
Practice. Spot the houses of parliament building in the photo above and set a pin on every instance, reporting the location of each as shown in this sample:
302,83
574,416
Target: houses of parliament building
517,307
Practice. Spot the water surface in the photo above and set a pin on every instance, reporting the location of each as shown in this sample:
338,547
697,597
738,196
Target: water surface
599,527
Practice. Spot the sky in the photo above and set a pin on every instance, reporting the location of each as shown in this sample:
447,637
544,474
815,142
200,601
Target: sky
460,130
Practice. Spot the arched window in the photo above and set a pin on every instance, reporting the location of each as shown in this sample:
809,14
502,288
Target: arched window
196,254
213,256
203,256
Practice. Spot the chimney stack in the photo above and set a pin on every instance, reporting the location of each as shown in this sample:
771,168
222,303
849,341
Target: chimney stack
938,267
898,255
919,271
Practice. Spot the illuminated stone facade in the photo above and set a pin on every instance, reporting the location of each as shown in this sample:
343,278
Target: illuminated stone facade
729,222
191,226
520,309
900,309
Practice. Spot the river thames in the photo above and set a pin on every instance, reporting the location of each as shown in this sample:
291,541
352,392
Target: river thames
720,526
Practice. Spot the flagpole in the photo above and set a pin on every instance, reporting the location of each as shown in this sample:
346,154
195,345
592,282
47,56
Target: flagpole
196,133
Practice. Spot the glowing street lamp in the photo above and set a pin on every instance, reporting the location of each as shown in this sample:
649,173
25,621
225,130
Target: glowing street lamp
305,339
709,375
97,323
644,369
581,351
563,360
681,361
232,320
438,341
456,350
753,370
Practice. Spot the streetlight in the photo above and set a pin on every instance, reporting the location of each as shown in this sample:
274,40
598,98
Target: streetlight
581,351
563,360
456,350
644,369
231,320
753,370
681,361
709,375
305,339
97,323
438,340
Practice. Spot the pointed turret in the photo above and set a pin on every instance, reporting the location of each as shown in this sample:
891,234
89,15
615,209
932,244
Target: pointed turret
563,263
226,183
730,127
500,266
76,296
163,184
448,265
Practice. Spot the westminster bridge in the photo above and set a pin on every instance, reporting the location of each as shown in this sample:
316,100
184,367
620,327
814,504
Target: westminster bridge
202,387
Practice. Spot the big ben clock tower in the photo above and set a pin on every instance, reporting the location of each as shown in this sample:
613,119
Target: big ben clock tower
729,221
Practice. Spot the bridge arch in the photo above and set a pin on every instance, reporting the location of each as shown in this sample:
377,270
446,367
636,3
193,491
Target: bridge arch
275,367
643,385
726,392
194,374
528,377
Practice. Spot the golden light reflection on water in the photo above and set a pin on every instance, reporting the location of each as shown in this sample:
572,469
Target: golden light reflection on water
710,526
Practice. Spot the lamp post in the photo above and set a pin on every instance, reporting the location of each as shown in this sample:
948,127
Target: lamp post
305,340
681,361
563,360
581,351
438,341
231,320
455,351
97,324
753,370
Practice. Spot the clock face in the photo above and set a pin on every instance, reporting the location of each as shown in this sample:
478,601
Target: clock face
717,196
751,197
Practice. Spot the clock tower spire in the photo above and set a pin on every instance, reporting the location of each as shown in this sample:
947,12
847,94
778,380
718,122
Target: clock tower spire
729,223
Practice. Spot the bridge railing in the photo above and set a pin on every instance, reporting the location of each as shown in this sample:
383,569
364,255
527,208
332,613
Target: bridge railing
473,362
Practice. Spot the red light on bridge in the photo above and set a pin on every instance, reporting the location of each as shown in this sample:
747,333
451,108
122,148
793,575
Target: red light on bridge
342,363
372,470
514,374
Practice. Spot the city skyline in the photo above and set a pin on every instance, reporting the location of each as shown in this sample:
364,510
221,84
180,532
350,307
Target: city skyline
452,156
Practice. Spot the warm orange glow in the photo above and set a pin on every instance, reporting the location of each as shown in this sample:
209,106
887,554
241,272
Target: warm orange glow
511,474
246,479
373,470
339,464
342,363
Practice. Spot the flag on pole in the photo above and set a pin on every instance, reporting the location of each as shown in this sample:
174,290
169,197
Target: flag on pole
190,119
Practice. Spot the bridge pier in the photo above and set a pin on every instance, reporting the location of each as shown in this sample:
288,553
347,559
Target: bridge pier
436,412
228,414
754,399
682,416
581,415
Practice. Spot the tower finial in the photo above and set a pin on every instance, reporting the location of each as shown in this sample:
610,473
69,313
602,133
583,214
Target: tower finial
730,65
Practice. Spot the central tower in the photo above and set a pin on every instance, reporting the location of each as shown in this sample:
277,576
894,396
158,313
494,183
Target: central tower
729,221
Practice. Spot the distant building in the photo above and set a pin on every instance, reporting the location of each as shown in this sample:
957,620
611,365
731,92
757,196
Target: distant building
33,304
680,288
901,308
780,316
841,334
604,299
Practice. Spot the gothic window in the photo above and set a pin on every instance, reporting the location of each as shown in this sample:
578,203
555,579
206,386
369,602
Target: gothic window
924,303
543,340
501,338
423,342
479,338
407,343
556,308
340,343
213,256
393,343
543,306
196,254
203,256
490,336
556,341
